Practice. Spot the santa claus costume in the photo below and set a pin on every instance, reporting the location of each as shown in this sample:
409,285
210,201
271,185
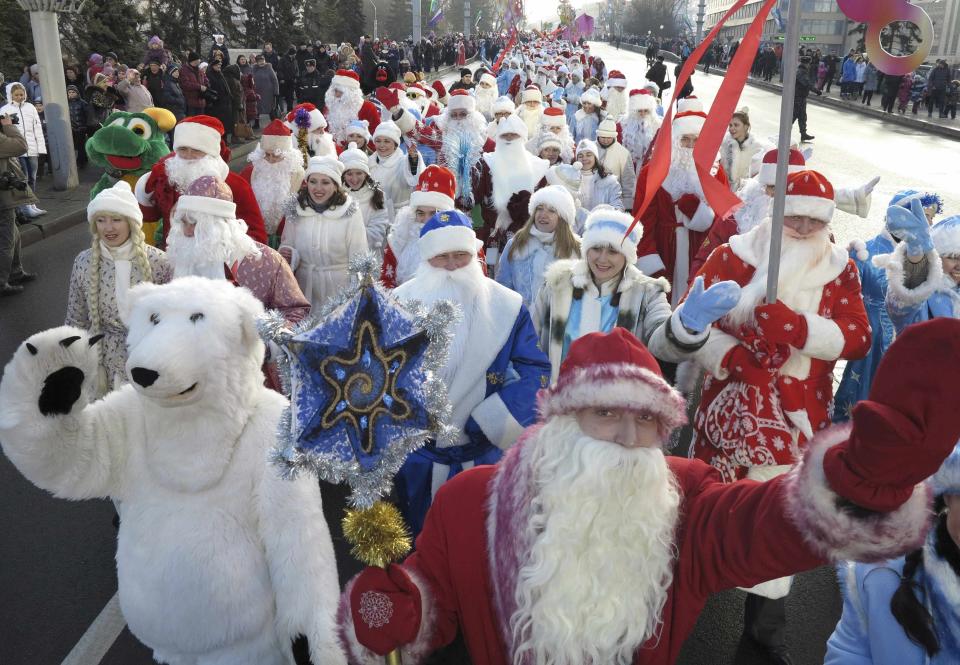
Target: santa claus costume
344,102
576,549
158,190
502,108
493,370
615,95
275,174
486,94
531,108
309,129
504,182
396,171
678,218
553,121
770,366
640,125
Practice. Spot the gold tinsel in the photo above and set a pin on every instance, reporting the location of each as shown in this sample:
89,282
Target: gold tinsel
378,534
302,144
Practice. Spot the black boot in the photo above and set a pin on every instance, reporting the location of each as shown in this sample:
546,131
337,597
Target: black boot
765,624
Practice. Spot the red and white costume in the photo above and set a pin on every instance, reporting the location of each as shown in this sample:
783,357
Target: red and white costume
350,105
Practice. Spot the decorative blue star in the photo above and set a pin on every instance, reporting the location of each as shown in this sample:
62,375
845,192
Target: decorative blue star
367,387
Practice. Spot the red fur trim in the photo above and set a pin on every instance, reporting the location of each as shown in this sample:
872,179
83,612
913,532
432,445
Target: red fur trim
837,534
357,654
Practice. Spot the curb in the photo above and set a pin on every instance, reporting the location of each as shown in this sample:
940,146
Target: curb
33,232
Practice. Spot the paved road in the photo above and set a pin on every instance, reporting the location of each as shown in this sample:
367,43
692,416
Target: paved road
56,557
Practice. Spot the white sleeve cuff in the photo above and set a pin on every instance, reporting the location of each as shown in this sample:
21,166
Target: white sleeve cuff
683,335
140,191
650,264
496,421
824,338
702,218
406,122
712,354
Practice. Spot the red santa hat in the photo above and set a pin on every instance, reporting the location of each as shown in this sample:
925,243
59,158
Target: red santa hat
809,194
768,169
440,90
642,100
688,122
276,137
398,86
346,79
553,117
308,113
616,79
417,90
436,188
462,100
209,195
531,94
200,132
613,370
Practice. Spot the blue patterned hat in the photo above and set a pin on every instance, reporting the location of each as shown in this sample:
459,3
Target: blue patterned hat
447,231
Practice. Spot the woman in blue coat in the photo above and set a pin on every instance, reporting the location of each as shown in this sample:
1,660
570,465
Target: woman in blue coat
546,237
907,611
858,375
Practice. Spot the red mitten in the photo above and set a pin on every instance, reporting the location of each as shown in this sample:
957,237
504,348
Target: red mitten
518,206
781,325
688,204
386,609
908,426
389,98
743,365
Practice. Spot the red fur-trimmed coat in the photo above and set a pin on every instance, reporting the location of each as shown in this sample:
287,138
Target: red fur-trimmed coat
741,425
473,543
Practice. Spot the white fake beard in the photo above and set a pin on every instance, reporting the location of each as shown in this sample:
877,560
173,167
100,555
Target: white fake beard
216,241
616,102
604,521
321,144
463,287
271,185
403,241
637,135
512,172
181,172
470,131
341,111
531,118
485,99
797,257
682,178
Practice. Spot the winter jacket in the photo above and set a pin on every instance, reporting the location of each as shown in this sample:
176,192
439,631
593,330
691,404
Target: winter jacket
737,159
953,93
12,146
870,82
78,114
595,191
173,99
191,78
849,72
939,77
154,83
861,72
250,97
137,96
30,126
617,161
101,102
268,87
232,74
377,222
311,88
288,70
525,272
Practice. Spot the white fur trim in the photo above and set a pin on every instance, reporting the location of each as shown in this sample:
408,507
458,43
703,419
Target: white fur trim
817,207
650,264
642,103
681,333
691,124
532,95
462,102
620,83
557,197
859,247
552,120
773,589
893,263
496,421
835,533
768,173
946,239
197,136
712,354
430,200
207,204
117,199
447,239
270,142
346,82
824,338
140,191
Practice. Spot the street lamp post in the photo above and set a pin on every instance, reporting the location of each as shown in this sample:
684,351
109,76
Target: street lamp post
46,44
374,5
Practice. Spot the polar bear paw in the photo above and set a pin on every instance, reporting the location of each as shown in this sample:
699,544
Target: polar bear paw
56,363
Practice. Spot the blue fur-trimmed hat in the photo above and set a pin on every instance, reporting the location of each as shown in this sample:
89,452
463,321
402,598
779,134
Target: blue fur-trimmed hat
946,236
927,199
447,231
947,479
608,226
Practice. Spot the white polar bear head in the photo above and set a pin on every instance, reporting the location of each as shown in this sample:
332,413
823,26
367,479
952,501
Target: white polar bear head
192,341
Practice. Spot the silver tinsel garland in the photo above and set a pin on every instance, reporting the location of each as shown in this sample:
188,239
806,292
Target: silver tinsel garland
367,487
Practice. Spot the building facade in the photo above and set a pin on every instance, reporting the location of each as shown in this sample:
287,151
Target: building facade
822,24
945,15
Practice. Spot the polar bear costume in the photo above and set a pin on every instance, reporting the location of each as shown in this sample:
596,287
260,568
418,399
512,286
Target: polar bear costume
219,560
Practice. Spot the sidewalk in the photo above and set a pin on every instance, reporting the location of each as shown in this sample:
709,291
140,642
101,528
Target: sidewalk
66,209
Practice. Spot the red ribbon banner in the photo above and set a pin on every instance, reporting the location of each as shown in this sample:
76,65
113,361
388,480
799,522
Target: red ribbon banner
506,49
719,197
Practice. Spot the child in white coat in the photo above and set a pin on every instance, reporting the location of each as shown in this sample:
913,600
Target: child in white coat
32,129
396,172
377,209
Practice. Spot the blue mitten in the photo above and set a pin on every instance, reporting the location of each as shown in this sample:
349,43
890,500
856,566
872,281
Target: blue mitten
911,226
702,308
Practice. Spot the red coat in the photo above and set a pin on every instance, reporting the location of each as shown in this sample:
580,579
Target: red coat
719,234
740,425
157,195
474,540
369,112
657,251
517,209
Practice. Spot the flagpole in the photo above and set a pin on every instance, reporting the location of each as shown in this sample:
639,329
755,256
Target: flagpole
791,49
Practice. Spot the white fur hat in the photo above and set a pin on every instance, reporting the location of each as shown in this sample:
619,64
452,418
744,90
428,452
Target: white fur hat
566,175
118,199
586,145
488,78
608,226
347,79
504,105
691,103
354,158
591,96
946,236
531,94
512,124
389,129
557,197
462,100
208,195
360,128
607,129
688,122
548,140
325,165
642,100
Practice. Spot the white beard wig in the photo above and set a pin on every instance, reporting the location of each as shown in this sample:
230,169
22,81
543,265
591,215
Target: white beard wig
485,99
272,183
216,241
682,178
617,102
638,135
403,241
321,143
463,287
341,111
531,118
511,173
181,172
605,521
462,147
797,257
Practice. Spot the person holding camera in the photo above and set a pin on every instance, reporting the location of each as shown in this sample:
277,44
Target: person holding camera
14,192
26,119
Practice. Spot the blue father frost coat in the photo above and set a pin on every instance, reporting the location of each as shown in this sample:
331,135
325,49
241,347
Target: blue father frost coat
493,395
858,375
525,272
936,296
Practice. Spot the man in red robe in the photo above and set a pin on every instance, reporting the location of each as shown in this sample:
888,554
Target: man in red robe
678,219
345,103
198,151
586,544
